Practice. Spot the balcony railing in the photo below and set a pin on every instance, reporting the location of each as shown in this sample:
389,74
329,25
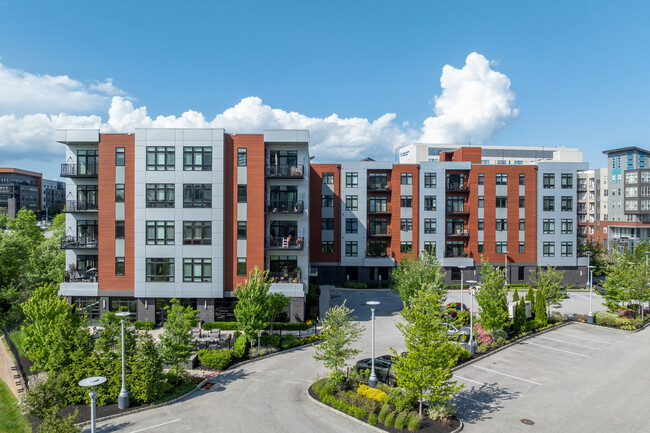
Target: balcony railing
457,187
381,253
284,171
277,206
285,277
582,188
89,276
79,206
380,210
282,243
457,210
74,242
458,234
76,170
383,187
456,254
378,232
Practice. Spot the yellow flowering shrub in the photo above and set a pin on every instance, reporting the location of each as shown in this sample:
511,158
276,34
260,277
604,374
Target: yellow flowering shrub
372,393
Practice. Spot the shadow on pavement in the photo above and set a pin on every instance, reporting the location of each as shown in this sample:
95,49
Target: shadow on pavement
222,381
107,428
390,303
477,403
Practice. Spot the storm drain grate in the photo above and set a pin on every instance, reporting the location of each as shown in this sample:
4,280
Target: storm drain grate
211,384
527,421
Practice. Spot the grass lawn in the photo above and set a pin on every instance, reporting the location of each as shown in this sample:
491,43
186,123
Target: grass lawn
11,420
18,337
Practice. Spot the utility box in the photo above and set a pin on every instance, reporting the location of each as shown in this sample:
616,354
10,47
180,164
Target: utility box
513,305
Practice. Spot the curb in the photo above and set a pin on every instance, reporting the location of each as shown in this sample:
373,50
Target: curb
631,331
358,421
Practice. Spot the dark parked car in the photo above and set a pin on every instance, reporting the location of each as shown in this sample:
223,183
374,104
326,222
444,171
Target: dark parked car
384,368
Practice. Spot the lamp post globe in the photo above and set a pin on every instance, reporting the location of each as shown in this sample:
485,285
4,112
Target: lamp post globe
93,383
372,380
123,397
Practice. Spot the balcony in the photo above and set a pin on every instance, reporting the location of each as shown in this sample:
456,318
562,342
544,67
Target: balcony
456,254
380,187
380,210
78,242
582,188
457,211
459,233
285,207
379,232
284,171
79,206
457,187
379,253
75,276
282,243
285,277
78,170
582,211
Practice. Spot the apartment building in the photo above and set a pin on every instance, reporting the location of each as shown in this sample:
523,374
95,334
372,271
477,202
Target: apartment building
53,196
20,189
186,214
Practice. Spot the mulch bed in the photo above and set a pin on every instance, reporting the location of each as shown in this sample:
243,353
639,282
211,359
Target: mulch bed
426,426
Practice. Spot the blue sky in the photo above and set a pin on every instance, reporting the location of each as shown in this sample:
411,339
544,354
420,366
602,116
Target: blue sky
578,71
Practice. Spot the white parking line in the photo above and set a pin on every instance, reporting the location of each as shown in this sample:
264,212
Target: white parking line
485,384
583,338
154,426
568,342
553,348
477,401
504,374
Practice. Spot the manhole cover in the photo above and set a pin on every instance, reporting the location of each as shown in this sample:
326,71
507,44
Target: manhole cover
527,421
211,384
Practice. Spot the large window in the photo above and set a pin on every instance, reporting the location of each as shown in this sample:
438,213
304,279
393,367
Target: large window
241,230
160,232
378,204
327,247
351,180
455,204
159,269
327,224
328,178
242,194
522,224
567,226
548,226
197,158
119,265
430,247
548,249
124,304
522,250
351,225
481,178
119,156
481,202
406,179
522,202
197,270
241,266
522,179
241,157
501,225
351,202
119,229
481,224
501,247
197,232
160,158
405,247
429,226
548,203
430,202
567,249
502,179
327,200
549,180
160,195
377,181
502,201
406,224
406,201
351,249
377,226
567,180
119,193
87,197
197,195
430,180
87,161
567,204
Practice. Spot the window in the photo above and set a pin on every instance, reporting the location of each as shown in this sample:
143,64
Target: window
351,225
160,158
328,178
119,229
241,157
502,201
522,201
566,180
327,200
631,205
159,270
327,247
406,179
430,202
160,232
429,226
522,179
119,193
522,225
631,191
548,249
406,201
377,226
406,224
631,177
481,225
567,249
119,157
351,180
480,247
197,232
197,270
378,204
351,202
567,226
548,226
430,247
548,203
241,266
430,180
567,204
197,195
481,178
160,195
197,158
327,224
351,249
480,201
241,194
377,181
119,265
501,247
522,249
241,230
502,179
405,247
549,180
501,225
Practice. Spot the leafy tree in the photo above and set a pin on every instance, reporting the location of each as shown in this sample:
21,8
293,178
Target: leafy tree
341,331
146,371
14,271
619,278
638,289
540,310
54,423
176,344
49,393
425,370
519,319
415,274
515,297
530,297
639,253
26,226
598,257
549,281
276,302
492,297
251,311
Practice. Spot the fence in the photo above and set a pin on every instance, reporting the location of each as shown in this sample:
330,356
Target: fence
19,374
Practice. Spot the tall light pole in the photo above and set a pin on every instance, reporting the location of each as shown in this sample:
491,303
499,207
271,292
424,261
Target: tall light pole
471,283
590,316
92,382
462,285
123,397
505,261
372,380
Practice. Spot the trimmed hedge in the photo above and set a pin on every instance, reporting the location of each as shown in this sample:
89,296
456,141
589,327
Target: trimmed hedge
144,325
217,359
344,407
224,326
232,326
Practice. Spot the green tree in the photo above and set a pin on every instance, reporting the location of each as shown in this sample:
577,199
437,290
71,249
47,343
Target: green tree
276,302
26,226
492,297
598,257
14,271
416,274
54,423
425,370
549,281
341,331
47,394
619,278
146,371
540,310
176,343
519,319
251,311
515,296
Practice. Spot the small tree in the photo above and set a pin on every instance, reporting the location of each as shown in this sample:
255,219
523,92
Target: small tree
415,274
54,423
492,297
519,319
277,302
619,278
540,310
515,297
425,369
341,331
530,297
549,281
146,371
176,344
252,309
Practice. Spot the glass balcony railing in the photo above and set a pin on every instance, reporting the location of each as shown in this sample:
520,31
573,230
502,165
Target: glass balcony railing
285,171
78,170
284,243
79,206
76,276
284,206
74,242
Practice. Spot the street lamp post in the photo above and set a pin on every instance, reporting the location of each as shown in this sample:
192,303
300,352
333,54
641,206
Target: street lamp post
590,316
372,380
505,261
472,284
462,285
123,397
92,382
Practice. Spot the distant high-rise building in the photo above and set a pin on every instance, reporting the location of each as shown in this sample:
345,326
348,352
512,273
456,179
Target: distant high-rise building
20,189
